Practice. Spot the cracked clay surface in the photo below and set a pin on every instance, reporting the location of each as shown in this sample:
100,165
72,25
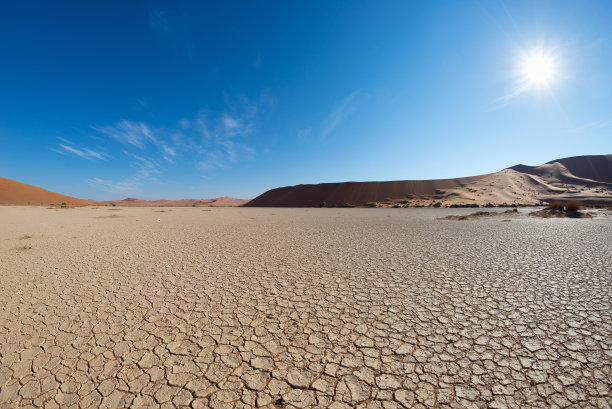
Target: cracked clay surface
329,308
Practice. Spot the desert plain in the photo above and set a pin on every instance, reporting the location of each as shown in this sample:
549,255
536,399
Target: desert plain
332,308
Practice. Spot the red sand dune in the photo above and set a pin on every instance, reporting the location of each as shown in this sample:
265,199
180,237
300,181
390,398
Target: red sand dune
587,178
219,201
12,192
15,193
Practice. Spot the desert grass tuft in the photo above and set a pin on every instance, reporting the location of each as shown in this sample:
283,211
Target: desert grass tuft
556,205
573,205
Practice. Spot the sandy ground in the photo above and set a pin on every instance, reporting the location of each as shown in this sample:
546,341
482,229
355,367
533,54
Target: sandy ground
368,308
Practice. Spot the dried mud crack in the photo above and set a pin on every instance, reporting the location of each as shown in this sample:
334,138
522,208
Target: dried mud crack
300,308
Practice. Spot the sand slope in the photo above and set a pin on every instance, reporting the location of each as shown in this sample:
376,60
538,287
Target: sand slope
587,178
12,192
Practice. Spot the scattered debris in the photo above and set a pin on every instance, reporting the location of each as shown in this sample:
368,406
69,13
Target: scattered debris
479,215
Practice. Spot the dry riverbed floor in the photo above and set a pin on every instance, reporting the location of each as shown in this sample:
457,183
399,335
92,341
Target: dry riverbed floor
338,308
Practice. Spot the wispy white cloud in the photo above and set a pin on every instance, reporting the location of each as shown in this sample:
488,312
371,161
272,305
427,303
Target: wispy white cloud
224,154
169,152
68,147
223,137
210,141
592,125
342,110
122,188
64,140
145,167
139,134
232,125
147,170
128,133
506,99
211,160
184,123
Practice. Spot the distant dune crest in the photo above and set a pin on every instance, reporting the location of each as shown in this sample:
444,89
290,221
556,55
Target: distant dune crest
16,193
586,178
224,201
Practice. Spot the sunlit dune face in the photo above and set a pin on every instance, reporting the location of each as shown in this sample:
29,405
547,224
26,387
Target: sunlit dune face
538,69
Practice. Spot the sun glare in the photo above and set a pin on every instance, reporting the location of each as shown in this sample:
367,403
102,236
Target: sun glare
538,69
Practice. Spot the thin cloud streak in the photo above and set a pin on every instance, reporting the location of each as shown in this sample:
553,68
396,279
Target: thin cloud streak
125,187
221,137
128,133
592,125
210,141
342,111
69,148
147,170
138,134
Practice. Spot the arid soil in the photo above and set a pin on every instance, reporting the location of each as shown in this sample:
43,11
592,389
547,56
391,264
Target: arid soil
338,308
480,214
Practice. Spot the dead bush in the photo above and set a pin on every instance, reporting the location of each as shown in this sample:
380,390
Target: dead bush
556,205
573,205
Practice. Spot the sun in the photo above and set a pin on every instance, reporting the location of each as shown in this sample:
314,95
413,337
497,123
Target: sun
538,69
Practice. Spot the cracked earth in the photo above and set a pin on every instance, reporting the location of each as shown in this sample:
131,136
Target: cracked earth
329,308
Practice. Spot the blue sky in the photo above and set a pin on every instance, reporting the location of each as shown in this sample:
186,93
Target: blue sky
115,99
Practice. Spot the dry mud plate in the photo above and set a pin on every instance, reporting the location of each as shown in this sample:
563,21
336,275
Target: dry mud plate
366,308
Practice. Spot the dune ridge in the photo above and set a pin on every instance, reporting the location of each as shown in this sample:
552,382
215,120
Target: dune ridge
16,193
224,201
586,178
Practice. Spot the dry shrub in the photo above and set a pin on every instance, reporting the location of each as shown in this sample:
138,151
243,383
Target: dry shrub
556,205
573,205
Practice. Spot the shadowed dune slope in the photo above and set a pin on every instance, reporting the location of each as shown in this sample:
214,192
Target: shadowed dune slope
356,193
586,178
12,192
